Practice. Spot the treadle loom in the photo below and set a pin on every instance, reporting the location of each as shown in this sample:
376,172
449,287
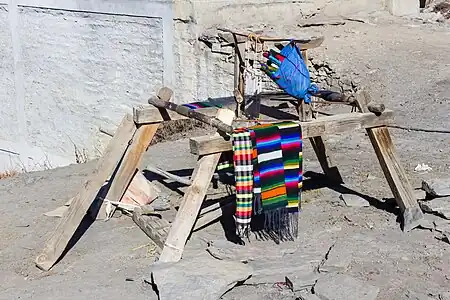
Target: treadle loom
256,191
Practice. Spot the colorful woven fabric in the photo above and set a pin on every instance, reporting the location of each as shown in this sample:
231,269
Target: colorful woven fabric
243,170
291,145
277,154
203,104
271,167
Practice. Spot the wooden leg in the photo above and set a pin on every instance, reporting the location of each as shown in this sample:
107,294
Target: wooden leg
329,170
131,161
192,201
396,177
68,225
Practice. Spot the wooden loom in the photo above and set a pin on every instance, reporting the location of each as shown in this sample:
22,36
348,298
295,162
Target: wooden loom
121,159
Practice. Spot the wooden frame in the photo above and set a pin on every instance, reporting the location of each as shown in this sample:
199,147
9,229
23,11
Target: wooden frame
124,152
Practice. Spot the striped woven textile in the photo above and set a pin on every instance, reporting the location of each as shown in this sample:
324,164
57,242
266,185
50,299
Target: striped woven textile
203,104
291,146
243,172
267,161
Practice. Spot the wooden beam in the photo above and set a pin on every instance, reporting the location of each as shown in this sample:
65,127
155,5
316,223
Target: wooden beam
192,201
322,126
396,177
393,171
68,225
190,113
148,114
168,175
130,162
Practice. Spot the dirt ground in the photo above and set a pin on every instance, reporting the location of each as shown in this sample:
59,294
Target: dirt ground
404,63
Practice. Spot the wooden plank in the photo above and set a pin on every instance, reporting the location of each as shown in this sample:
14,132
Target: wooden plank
155,228
393,171
130,162
168,175
192,201
396,177
322,126
148,114
68,225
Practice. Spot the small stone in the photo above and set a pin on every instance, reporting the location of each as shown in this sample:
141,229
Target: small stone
440,206
354,200
322,72
420,194
371,177
340,286
423,168
437,187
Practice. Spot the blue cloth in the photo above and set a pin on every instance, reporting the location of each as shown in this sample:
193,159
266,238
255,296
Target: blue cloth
293,76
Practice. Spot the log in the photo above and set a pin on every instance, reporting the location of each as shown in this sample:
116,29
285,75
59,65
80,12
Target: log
190,113
148,114
393,171
322,126
168,175
192,201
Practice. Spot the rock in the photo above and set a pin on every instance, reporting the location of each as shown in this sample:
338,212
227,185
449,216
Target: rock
437,187
423,168
440,206
337,260
354,200
199,277
420,194
301,273
303,280
417,296
339,287
305,295
371,177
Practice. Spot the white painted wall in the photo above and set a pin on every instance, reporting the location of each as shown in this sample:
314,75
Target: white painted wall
69,67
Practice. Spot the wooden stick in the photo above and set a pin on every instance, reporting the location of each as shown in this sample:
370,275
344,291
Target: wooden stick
190,113
193,198
148,114
68,225
168,175
305,43
318,127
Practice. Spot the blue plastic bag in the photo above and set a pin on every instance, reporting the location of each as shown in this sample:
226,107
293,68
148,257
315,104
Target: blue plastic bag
292,75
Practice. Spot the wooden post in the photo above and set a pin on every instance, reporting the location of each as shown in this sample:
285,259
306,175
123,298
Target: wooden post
80,205
192,201
239,84
393,171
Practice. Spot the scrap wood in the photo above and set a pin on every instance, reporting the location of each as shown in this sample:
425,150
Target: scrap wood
140,192
168,175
